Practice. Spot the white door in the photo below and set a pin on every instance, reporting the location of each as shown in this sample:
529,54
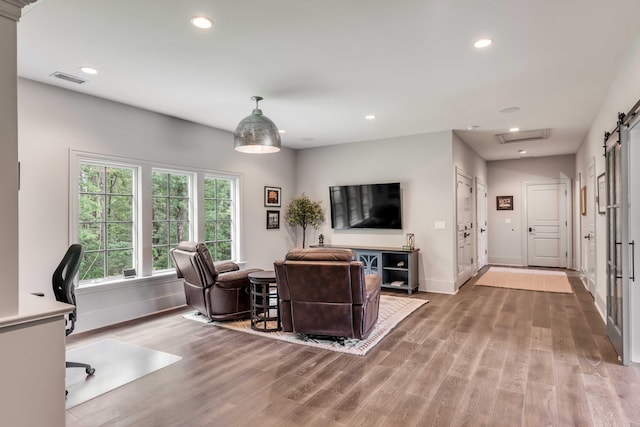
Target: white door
481,223
547,225
464,221
590,235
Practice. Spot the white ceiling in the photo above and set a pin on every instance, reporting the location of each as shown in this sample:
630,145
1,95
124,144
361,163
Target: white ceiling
322,65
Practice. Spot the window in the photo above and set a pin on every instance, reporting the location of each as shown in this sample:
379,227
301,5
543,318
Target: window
106,227
129,214
218,201
170,215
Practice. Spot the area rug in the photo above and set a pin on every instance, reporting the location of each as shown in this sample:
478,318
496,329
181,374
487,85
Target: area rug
116,363
526,279
392,311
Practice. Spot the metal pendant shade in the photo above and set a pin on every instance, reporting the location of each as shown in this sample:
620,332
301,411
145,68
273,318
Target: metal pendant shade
257,133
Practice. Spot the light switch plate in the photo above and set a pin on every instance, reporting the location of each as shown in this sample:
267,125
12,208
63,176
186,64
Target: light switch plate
440,225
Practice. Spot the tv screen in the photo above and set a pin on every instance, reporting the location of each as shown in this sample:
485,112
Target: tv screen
366,206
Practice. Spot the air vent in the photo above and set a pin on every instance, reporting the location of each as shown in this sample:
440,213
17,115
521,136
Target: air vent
523,135
68,77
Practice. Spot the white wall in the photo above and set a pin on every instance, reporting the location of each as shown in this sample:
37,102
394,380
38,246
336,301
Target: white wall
53,121
505,178
623,94
472,165
423,165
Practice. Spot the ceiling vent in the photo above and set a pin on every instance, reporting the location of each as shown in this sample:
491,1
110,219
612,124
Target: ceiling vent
523,135
68,77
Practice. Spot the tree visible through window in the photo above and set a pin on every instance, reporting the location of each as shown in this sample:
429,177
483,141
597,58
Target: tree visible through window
106,220
218,217
170,215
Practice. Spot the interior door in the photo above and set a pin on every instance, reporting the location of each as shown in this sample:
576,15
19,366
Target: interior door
616,178
547,225
481,223
464,221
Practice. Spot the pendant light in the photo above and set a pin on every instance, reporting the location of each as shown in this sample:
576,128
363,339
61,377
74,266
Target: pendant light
257,133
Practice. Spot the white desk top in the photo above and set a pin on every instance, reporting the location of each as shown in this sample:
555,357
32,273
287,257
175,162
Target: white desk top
32,308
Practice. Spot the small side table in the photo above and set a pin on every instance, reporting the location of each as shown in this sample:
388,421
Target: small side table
265,302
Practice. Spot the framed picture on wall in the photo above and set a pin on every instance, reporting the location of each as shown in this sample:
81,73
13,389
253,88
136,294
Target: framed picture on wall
504,203
583,200
602,194
273,220
272,197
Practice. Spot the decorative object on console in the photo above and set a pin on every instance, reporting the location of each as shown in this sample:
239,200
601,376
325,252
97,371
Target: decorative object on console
321,240
411,241
272,197
257,133
303,211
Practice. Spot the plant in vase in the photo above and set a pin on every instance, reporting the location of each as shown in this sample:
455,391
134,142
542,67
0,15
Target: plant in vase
303,211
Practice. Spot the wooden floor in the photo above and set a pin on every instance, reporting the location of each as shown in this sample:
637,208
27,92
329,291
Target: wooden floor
486,356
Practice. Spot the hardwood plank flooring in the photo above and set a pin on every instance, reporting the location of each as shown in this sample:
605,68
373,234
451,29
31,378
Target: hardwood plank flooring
484,357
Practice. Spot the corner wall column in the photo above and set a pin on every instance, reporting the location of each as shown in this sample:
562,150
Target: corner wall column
10,12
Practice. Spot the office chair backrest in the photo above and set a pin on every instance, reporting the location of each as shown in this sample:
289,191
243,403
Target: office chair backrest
63,277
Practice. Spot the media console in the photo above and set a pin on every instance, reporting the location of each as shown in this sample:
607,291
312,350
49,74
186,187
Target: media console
398,267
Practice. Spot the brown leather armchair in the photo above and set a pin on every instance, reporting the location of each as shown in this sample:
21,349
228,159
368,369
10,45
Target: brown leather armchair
220,291
325,292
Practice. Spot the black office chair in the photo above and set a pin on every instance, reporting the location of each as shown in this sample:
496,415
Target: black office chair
63,289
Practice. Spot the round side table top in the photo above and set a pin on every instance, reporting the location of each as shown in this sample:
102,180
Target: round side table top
269,274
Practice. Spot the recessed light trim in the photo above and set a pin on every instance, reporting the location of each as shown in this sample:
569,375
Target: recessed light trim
370,117
482,43
88,70
203,22
473,127
507,110
522,151
514,129
282,131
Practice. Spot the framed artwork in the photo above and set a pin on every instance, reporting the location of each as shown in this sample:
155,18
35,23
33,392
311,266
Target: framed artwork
272,197
504,203
583,200
602,194
273,220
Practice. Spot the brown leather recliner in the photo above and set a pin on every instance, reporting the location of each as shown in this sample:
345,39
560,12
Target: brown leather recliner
220,291
325,292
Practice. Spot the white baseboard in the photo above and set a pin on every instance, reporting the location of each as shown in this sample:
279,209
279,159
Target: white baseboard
439,287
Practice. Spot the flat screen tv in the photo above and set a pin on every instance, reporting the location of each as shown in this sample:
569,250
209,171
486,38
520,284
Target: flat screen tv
366,206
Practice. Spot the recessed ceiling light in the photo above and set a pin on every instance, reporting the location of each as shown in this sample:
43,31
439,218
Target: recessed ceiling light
473,127
370,117
282,131
514,129
506,110
482,43
88,70
522,151
202,22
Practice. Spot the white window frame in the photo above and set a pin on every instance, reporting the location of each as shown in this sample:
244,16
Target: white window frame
144,209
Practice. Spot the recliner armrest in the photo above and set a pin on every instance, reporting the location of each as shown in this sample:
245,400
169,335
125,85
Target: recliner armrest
226,266
235,279
372,283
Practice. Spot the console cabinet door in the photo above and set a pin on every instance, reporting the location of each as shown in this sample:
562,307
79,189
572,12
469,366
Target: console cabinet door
372,261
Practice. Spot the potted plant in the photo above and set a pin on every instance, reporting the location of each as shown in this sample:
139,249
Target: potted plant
303,211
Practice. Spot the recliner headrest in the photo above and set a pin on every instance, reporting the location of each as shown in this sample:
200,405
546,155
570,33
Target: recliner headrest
318,254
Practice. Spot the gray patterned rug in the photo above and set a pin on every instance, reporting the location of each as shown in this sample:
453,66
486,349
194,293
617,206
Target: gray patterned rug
392,311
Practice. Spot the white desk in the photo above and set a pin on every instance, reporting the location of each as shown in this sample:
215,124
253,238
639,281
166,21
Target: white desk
32,363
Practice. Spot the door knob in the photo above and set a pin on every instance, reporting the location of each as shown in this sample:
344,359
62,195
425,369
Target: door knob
530,229
482,230
588,237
